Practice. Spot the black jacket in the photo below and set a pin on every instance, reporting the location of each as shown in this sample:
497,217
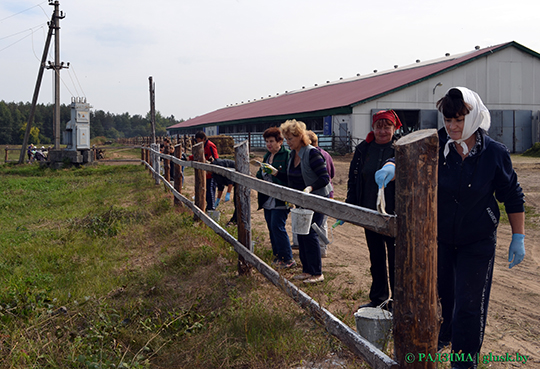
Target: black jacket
468,190
355,183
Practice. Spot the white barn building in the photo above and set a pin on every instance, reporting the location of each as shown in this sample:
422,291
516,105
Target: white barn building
506,76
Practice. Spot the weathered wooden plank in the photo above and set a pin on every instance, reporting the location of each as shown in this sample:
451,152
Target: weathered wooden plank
371,219
367,218
416,313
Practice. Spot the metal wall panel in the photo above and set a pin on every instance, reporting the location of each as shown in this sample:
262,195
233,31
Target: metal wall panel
523,130
502,127
513,128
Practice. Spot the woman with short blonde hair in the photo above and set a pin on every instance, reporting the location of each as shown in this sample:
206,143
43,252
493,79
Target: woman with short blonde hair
306,171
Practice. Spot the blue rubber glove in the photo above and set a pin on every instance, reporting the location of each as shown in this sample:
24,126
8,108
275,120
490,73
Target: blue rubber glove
227,196
217,203
517,249
337,223
384,175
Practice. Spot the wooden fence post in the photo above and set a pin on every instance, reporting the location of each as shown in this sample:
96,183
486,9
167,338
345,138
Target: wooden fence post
178,175
416,311
242,198
142,155
148,159
156,162
200,178
167,165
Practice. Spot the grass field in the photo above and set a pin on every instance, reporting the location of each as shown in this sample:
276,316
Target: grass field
98,270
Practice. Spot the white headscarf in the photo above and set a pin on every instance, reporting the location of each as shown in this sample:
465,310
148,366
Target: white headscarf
478,117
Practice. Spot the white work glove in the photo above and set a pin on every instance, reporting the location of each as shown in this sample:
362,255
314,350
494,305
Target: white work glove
267,168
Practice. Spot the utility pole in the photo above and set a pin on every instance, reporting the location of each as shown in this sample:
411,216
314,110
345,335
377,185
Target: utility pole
153,107
36,90
56,67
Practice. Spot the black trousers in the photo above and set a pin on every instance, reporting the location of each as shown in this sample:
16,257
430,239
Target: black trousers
379,247
309,248
465,274
210,194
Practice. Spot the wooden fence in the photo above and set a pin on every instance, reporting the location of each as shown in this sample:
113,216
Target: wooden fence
416,314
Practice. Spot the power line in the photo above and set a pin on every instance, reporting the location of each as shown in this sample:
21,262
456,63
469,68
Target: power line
26,30
74,85
8,46
77,78
22,11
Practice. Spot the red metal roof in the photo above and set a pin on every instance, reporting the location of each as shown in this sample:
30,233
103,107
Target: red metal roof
340,94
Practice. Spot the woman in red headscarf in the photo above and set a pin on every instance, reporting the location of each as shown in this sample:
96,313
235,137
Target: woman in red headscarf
369,156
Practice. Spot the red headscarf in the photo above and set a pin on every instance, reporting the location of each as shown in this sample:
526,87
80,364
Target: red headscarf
384,114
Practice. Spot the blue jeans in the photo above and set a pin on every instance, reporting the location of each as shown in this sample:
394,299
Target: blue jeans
309,248
465,273
281,245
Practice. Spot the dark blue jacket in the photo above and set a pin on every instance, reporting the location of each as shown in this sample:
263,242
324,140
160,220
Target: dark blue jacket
468,189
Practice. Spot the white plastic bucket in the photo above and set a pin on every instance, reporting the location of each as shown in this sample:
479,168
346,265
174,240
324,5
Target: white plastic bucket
301,220
375,325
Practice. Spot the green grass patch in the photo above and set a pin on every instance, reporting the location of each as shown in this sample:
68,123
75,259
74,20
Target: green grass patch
534,151
98,270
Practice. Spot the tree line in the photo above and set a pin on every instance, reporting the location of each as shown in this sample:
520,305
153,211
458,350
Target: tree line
14,117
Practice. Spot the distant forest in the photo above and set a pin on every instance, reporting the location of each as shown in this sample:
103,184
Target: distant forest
14,116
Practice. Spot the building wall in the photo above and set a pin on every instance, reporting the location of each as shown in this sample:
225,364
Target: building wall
506,80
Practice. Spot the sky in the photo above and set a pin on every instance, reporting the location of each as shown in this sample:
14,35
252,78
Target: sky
206,54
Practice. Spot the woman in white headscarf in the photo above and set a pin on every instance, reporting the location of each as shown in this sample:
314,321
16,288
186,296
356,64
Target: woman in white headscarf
474,172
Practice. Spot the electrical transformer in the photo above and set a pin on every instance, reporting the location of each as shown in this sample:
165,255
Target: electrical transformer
77,133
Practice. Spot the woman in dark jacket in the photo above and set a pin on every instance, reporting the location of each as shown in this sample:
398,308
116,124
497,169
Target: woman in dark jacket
370,155
474,171
275,211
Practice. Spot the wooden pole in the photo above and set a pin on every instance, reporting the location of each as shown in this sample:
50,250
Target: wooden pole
36,89
142,155
148,159
167,165
178,175
152,107
200,178
242,198
156,162
416,312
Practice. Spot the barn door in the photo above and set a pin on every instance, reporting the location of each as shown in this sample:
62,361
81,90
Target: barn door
513,128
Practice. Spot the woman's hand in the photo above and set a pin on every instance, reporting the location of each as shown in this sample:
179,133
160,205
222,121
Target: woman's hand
384,175
516,252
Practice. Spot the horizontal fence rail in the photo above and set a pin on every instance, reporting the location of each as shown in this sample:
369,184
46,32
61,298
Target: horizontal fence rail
367,218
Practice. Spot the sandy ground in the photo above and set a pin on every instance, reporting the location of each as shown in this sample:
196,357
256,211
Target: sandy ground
513,317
